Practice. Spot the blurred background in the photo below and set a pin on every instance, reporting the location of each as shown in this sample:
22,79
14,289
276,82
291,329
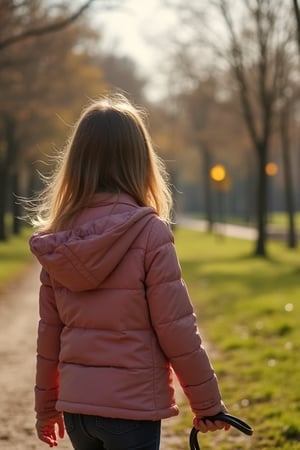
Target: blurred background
218,78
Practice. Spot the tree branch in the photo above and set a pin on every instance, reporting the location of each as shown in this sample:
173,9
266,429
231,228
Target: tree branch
263,35
297,15
238,68
51,28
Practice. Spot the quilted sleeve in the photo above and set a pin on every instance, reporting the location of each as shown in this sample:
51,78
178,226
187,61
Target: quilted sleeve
174,322
48,348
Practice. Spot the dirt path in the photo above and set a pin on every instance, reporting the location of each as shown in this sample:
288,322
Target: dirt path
18,324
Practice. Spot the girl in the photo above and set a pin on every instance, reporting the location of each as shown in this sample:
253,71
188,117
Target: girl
115,316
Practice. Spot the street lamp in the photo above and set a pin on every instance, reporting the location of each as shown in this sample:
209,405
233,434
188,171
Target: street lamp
271,170
218,173
221,180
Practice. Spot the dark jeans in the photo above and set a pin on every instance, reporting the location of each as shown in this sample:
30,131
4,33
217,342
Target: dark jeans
102,433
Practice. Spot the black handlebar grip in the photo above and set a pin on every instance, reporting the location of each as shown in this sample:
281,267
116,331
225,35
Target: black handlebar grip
223,417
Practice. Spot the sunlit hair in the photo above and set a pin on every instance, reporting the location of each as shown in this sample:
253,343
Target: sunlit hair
110,150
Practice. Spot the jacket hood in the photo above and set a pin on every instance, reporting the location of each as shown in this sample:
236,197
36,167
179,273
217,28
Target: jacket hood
81,258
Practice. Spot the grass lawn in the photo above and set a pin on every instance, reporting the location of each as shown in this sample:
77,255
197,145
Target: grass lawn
281,219
14,256
249,311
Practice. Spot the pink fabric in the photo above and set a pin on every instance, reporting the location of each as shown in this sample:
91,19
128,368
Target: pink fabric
116,319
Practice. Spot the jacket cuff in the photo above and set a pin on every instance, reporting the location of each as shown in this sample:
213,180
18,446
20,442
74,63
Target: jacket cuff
45,401
205,399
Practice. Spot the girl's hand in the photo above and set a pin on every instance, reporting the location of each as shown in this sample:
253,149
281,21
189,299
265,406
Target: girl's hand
46,430
207,425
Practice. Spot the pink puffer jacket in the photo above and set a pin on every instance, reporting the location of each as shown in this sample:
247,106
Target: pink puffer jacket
116,318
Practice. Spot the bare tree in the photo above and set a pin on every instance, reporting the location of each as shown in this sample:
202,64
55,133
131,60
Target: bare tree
254,34
270,32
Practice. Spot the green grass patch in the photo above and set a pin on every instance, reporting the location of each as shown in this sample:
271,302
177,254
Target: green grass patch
249,310
280,218
14,256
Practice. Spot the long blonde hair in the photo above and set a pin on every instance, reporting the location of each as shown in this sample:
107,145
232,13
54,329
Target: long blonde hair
110,150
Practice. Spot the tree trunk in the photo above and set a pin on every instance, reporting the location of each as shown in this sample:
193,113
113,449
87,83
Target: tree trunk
16,207
260,249
249,210
10,152
3,182
288,182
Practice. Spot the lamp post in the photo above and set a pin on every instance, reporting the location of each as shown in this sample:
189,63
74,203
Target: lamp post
221,180
271,170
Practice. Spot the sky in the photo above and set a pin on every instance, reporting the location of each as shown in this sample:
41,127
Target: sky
135,30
